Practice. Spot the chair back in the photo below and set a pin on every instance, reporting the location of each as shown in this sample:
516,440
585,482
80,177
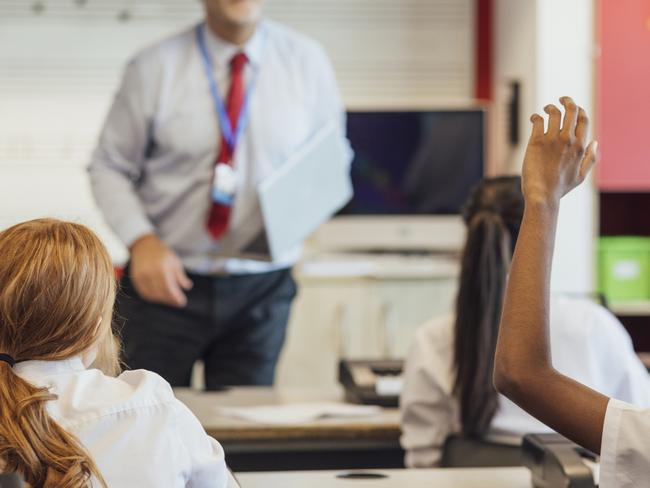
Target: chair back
232,481
10,480
462,452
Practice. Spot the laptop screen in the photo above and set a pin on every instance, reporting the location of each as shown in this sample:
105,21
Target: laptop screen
416,162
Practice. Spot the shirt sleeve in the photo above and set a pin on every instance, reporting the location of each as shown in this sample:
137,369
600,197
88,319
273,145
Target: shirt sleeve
325,98
425,408
631,382
117,163
232,482
624,454
207,459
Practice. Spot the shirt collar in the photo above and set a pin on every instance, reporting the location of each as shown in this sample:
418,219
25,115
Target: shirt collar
33,370
222,51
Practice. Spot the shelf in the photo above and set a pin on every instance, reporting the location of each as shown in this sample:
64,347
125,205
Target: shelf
638,308
379,266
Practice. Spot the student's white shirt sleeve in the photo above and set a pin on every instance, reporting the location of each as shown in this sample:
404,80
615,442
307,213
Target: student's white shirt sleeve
232,482
625,456
206,456
628,379
426,410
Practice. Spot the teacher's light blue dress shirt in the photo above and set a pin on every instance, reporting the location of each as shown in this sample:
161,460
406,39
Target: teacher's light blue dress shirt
153,167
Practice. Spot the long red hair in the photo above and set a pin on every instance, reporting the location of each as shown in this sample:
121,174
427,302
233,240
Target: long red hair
56,282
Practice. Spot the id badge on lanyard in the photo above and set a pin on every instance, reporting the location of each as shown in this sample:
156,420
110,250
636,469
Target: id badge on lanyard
224,184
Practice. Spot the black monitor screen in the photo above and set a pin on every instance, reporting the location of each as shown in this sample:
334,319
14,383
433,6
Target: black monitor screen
414,162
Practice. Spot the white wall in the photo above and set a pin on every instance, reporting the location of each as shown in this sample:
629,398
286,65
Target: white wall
565,41
515,27
549,45
58,72
59,69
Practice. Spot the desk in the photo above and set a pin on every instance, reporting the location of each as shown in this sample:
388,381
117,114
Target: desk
371,442
405,478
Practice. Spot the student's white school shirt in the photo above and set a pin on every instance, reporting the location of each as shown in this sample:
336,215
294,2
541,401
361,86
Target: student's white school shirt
138,433
589,344
625,447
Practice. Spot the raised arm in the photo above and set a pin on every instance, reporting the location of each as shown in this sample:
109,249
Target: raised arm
556,161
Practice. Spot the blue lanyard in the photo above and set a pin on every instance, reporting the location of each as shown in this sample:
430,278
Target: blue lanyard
231,135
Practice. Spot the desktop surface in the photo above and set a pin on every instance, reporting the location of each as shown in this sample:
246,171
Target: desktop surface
205,405
328,443
421,478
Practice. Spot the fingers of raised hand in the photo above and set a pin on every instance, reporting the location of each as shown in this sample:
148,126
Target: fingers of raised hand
571,111
588,160
582,127
554,119
572,129
538,126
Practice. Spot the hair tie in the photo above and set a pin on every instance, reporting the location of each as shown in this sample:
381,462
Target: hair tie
486,212
7,359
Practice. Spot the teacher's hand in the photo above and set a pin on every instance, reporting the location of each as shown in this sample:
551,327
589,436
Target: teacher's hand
559,159
157,272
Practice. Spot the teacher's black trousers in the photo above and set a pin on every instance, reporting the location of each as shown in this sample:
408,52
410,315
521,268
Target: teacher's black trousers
235,324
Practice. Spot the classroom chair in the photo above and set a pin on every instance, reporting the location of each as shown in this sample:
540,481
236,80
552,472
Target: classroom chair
10,480
462,452
232,481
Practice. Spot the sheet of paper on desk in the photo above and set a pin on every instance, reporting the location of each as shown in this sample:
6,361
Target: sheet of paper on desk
299,413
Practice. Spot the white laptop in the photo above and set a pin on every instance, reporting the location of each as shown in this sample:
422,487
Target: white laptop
308,189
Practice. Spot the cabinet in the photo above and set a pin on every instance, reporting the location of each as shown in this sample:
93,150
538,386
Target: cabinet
624,214
400,306
356,317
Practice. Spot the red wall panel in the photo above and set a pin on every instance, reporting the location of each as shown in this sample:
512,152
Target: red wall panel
484,43
624,95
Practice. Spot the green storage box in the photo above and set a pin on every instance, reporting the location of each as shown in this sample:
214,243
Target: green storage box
624,268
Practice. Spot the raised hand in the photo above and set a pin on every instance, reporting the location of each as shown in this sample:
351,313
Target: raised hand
559,159
556,161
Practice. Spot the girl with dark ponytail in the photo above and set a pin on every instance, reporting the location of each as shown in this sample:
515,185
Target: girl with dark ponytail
492,216
448,374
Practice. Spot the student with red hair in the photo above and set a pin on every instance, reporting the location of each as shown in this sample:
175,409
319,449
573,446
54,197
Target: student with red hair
64,424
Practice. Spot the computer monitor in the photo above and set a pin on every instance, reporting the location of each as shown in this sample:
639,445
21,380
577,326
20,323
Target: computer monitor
414,163
412,172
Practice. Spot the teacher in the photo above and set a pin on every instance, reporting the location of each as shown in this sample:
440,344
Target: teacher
200,119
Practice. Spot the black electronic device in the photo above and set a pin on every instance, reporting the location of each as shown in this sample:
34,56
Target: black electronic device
514,108
556,462
372,382
415,162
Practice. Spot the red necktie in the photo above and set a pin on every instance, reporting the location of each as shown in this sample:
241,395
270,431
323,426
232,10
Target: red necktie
219,213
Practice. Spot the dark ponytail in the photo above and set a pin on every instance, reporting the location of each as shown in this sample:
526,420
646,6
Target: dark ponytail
493,216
